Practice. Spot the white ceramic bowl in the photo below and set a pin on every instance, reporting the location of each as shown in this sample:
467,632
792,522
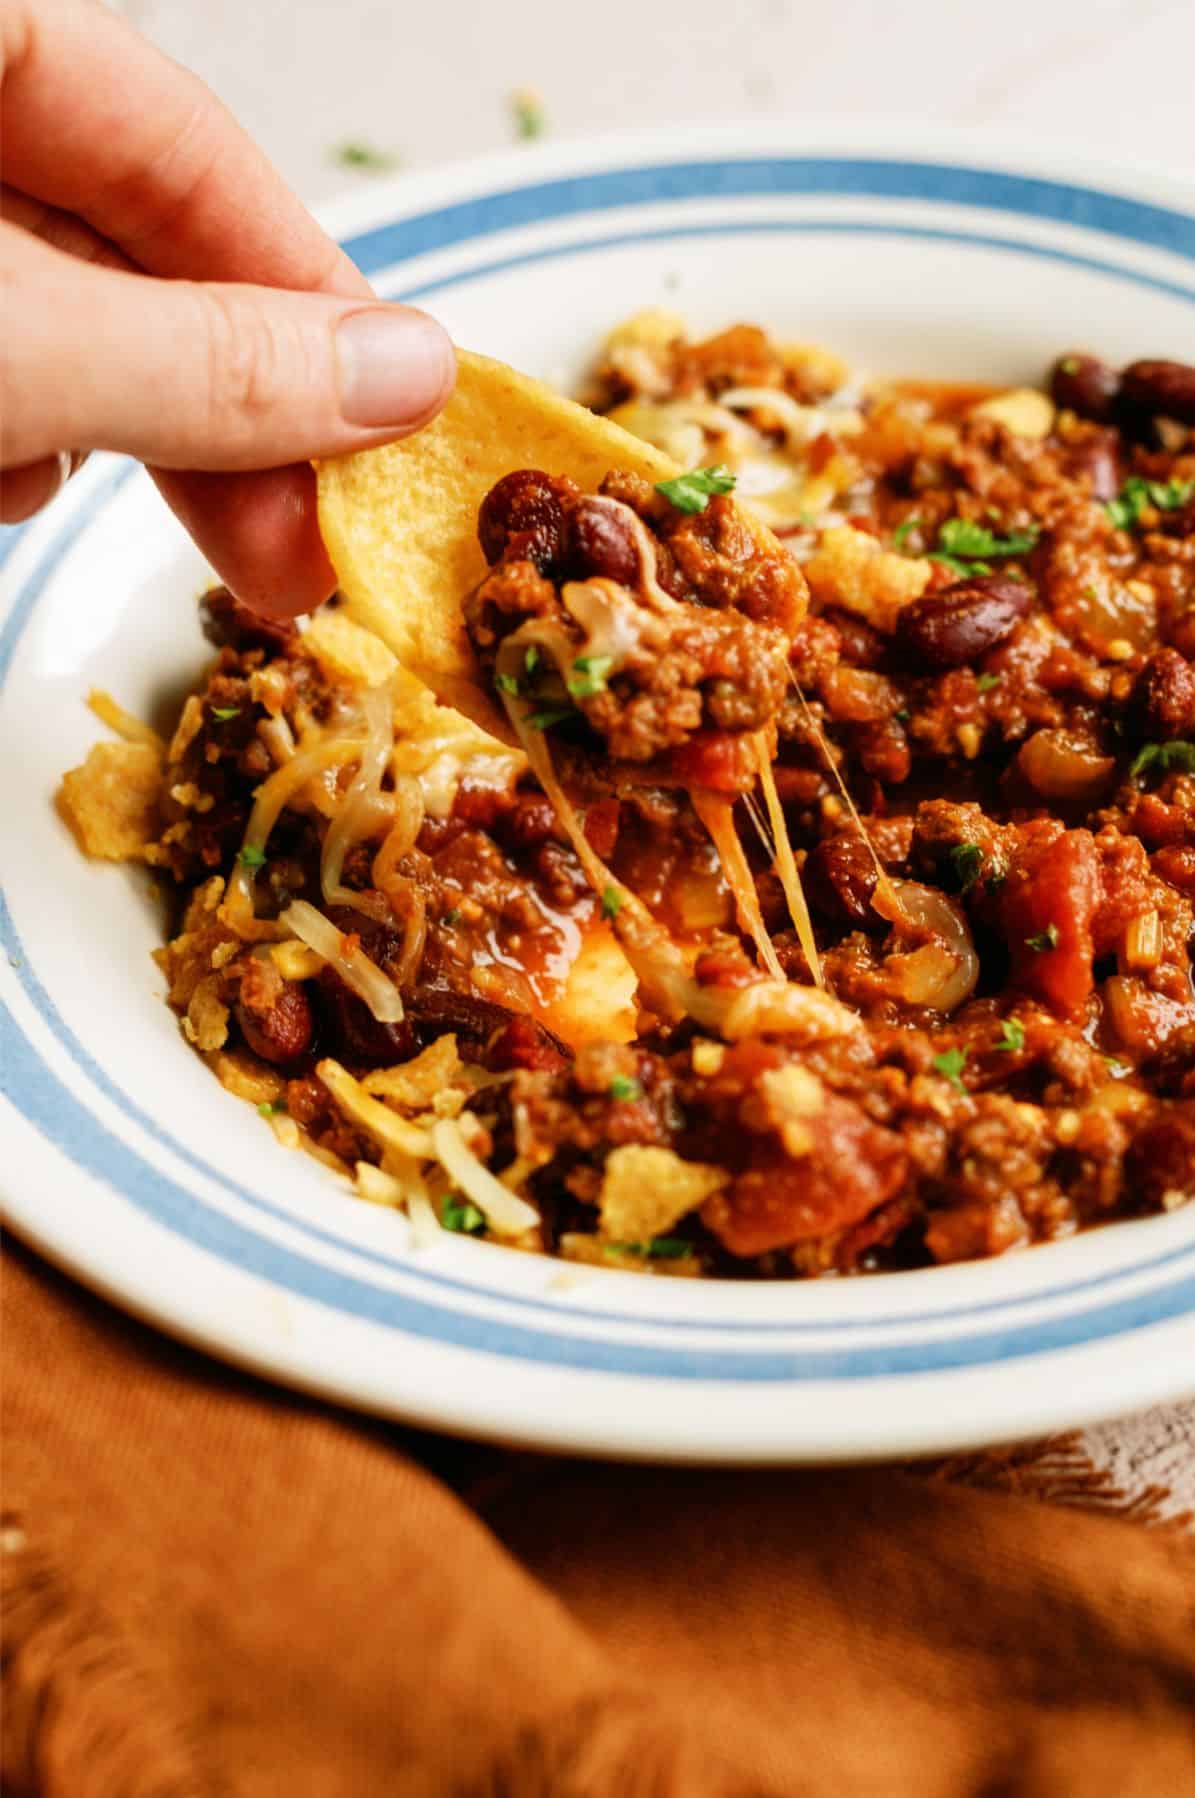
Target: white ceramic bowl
126,1162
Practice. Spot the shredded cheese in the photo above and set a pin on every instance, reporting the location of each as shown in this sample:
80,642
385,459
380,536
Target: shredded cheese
505,1213
361,975
716,813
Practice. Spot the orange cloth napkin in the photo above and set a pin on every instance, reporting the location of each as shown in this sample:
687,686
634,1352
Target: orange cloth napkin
217,1590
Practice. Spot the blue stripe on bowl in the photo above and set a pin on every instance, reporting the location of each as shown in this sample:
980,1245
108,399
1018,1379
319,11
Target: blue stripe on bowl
68,1123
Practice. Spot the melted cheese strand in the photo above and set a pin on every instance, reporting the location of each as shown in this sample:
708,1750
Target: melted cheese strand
273,795
716,813
786,864
883,880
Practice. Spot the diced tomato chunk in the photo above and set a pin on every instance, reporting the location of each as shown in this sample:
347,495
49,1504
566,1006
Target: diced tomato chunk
1048,905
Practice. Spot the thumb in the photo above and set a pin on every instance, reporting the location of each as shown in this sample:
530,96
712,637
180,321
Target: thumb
186,375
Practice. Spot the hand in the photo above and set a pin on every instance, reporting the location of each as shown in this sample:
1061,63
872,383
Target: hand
166,295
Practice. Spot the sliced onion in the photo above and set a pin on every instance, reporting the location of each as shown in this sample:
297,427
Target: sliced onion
506,1214
359,974
940,974
273,795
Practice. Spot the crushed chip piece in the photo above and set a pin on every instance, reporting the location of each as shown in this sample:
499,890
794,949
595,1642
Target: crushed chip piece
111,802
646,1190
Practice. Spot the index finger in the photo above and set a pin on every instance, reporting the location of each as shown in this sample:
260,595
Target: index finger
98,122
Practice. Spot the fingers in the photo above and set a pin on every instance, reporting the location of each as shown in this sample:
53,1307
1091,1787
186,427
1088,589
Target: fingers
216,377
99,123
24,491
259,532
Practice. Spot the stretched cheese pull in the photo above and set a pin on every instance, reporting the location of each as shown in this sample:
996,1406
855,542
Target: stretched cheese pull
401,525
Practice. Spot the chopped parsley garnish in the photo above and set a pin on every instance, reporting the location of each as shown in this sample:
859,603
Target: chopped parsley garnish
225,712
902,717
1137,493
1069,365
531,659
611,902
462,1215
270,1108
903,530
590,676
623,1087
659,1248
529,116
950,1065
1012,1039
1044,940
965,546
545,720
691,492
507,683
1163,757
967,860
985,682
452,918
251,856
355,155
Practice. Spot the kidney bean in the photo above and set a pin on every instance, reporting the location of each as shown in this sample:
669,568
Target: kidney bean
522,517
601,543
283,1032
839,877
1162,703
1156,387
1084,385
962,622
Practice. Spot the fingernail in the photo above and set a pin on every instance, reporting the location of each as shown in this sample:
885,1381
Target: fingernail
394,366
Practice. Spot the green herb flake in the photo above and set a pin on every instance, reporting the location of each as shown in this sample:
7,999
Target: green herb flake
225,712
531,659
950,1065
967,860
965,546
1012,1039
354,155
507,683
659,1248
985,682
691,492
1044,940
611,902
462,1216
1127,508
270,1108
903,530
589,676
1162,757
1070,365
545,720
527,109
902,717
452,918
623,1087
251,856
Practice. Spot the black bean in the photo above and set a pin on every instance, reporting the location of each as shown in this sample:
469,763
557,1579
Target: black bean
522,517
283,1033
1161,388
1084,385
601,543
